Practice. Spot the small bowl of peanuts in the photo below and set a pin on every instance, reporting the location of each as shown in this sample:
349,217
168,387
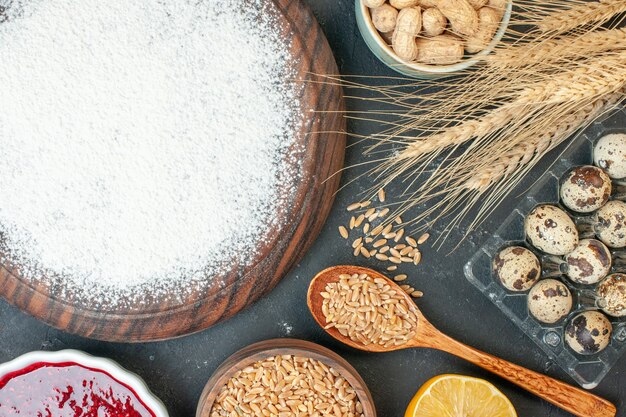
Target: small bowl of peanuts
432,38
285,377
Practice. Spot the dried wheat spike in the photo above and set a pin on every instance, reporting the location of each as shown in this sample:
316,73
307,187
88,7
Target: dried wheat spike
580,15
523,153
551,50
582,83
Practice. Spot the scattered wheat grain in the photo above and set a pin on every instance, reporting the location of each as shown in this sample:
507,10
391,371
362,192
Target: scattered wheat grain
379,243
381,195
359,220
377,230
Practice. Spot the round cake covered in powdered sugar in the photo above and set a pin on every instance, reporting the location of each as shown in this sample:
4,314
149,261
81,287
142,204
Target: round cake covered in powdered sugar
146,146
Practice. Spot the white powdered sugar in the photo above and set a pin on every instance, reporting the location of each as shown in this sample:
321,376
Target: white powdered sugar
146,145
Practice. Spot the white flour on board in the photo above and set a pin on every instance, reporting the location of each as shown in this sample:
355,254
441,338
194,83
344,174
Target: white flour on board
145,145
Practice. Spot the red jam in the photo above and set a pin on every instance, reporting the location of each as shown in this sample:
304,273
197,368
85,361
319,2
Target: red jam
67,390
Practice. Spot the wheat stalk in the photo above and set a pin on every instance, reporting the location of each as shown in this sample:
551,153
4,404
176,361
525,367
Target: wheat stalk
552,50
459,134
579,15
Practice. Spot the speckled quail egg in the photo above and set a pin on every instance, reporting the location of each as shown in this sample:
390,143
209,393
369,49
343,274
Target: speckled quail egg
517,268
549,301
612,295
585,189
610,155
589,262
550,229
611,224
588,332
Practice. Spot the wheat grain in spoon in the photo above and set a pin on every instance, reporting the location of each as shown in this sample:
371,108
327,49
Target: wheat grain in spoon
565,396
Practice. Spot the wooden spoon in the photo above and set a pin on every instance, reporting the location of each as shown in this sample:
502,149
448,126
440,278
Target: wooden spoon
565,396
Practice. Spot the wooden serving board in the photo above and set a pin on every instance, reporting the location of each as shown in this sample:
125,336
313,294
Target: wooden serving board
300,220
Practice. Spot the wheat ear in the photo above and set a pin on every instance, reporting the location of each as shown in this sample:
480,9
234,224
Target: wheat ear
551,50
584,82
580,15
523,153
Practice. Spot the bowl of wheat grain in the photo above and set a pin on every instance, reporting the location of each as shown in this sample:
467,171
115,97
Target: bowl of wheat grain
432,38
285,377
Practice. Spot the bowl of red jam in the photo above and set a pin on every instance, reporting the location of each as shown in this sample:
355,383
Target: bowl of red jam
70,383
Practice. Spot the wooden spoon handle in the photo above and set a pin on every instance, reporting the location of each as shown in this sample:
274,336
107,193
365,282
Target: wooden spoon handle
574,400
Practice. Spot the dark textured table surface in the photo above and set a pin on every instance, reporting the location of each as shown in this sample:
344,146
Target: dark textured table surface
177,370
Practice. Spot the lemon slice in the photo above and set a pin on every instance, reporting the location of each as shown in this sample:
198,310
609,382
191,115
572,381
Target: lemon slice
459,396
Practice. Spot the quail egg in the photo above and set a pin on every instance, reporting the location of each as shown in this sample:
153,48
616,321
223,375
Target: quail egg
612,295
589,262
585,189
517,268
549,301
588,332
611,226
610,155
550,229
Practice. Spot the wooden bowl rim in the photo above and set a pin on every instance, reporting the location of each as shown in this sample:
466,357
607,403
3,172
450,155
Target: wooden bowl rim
283,346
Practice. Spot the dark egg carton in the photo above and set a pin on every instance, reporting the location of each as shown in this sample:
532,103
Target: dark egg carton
587,370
